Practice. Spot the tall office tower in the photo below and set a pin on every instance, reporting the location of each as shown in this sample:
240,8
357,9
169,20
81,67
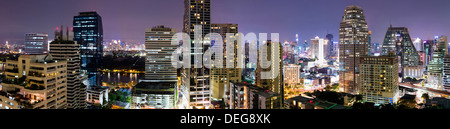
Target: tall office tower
158,89
353,43
428,47
196,80
88,32
276,62
286,49
446,78
379,79
36,43
64,49
436,66
291,76
375,49
34,82
336,49
158,64
418,44
398,41
331,49
319,48
221,77
370,44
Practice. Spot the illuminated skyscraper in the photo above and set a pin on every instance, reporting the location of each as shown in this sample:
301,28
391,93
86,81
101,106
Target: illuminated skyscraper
64,49
446,78
436,66
88,32
274,58
353,43
196,80
158,64
331,48
319,49
418,44
36,43
276,62
292,80
379,79
159,87
398,41
221,77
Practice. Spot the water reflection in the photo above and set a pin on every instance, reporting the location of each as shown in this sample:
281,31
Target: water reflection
121,79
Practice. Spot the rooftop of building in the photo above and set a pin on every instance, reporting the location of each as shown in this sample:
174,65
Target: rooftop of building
88,13
98,88
36,58
353,7
154,88
63,42
413,80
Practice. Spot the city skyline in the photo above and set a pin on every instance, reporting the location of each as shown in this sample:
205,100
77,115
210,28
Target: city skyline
425,19
352,68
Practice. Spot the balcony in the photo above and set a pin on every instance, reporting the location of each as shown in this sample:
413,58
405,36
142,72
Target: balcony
34,87
36,74
14,70
27,103
20,81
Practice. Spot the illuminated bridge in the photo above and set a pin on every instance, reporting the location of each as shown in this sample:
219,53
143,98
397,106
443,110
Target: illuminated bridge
440,92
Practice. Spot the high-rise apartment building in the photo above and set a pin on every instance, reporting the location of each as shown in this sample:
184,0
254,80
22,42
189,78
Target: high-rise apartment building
64,49
275,71
353,43
220,77
418,44
320,49
88,32
196,79
292,80
379,79
159,50
34,82
436,66
36,43
398,41
159,87
446,78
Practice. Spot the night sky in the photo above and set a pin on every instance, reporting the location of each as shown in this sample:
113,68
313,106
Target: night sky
127,19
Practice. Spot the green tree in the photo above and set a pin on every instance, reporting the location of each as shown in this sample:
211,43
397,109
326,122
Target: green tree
407,104
425,96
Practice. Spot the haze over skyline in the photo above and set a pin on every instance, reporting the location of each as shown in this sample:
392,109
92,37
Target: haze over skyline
127,20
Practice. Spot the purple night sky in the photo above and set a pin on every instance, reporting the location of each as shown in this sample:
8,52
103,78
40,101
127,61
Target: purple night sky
127,19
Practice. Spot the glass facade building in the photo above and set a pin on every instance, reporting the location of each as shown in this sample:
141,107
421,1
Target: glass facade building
398,41
88,32
36,43
436,66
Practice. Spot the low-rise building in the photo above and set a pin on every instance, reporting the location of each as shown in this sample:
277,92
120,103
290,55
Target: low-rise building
153,95
97,95
248,96
34,82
